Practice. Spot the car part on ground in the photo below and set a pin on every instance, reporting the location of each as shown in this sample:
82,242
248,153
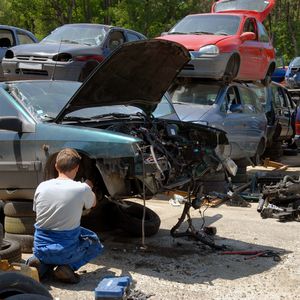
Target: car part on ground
19,209
1,212
281,200
25,240
130,219
229,43
19,225
1,234
70,52
234,108
10,250
13,284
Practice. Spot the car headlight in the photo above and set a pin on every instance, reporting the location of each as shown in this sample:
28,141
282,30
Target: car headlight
209,49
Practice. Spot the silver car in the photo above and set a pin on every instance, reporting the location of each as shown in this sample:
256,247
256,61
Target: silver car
70,52
233,108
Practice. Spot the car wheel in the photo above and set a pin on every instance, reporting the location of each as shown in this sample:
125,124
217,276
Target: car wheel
268,78
25,240
130,219
20,225
19,209
1,234
232,68
12,283
10,250
87,69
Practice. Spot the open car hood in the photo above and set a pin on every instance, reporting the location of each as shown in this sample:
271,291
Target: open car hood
259,9
137,73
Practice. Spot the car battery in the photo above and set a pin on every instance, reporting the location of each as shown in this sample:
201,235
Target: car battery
113,288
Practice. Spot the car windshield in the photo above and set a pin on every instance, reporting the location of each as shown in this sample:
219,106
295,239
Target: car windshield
207,24
90,35
295,62
195,93
164,110
45,99
253,5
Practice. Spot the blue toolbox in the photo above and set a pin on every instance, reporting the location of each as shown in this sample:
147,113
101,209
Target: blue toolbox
113,288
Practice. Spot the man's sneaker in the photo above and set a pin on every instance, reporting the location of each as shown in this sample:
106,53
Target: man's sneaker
65,274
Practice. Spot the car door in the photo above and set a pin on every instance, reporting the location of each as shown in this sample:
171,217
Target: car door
234,122
251,52
282,110
19,166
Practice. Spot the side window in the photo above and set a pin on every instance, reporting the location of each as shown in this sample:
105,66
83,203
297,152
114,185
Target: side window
249,100
279,100
6,38
132,37
115,39
7,109
262,34
24,38
250,26
231,100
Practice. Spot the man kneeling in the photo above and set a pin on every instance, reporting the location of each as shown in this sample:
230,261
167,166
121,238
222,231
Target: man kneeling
59,241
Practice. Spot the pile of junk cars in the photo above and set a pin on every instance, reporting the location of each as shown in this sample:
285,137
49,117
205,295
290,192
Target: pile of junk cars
187,116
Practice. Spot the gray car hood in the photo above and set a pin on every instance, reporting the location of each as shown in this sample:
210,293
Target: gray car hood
50,49
138,74
189,112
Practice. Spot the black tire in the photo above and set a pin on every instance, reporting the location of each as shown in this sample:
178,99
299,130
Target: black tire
25,240
19,209
1,234
21,225
28,297
130,219
10,250
2,212
13,283
290,152
232,68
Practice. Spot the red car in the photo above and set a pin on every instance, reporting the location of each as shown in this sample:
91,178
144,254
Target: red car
230,42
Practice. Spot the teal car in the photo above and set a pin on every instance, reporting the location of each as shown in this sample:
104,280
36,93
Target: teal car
120,121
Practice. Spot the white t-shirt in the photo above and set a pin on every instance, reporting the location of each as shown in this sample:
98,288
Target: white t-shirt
58,203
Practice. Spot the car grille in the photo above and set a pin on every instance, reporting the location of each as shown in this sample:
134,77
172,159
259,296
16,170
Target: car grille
31,58
32,72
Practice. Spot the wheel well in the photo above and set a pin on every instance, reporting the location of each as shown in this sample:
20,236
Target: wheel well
271,68
87,170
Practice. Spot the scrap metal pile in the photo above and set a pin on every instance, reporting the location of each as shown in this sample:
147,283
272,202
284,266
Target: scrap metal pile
281,200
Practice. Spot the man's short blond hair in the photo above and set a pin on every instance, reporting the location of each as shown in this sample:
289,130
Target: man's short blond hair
67,160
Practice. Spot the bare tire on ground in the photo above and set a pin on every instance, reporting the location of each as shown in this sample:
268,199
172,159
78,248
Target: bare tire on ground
19,209
1,212
10,250
25,240
12,283
130,219
1,234
20,225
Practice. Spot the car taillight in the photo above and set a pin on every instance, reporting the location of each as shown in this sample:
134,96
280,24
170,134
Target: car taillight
297,122
98,58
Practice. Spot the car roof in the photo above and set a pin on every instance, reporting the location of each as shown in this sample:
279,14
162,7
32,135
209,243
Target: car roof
14,28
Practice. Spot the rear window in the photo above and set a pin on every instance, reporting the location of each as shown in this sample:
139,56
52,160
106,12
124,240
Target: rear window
195,93
254,5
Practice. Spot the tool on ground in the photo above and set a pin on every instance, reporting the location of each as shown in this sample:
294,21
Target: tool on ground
254,254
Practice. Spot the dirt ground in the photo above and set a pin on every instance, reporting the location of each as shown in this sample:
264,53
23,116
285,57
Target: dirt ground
183,269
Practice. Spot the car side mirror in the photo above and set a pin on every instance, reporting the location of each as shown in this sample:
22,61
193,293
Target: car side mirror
236,108
248,36
13,123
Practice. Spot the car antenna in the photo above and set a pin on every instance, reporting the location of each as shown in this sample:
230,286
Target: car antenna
53,73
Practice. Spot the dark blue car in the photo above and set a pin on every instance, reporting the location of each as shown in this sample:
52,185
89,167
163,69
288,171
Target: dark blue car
292,75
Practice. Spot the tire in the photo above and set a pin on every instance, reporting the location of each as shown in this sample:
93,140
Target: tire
19,209
13,283
28,297
2,212
274,152
232,68
21,225
26,241
1,234
10,250
290,152
130,219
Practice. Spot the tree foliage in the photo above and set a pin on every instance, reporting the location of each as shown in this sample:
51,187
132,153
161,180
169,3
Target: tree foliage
151,17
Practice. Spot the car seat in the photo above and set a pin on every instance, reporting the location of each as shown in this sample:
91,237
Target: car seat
5,42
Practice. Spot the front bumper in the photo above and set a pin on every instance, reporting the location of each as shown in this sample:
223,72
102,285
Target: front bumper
206,66
16,70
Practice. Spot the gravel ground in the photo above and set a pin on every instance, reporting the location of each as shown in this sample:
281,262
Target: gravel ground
170,268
